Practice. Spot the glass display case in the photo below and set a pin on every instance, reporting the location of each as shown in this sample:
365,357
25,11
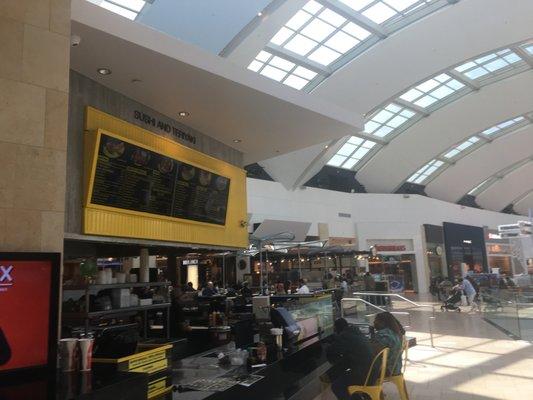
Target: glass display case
313,313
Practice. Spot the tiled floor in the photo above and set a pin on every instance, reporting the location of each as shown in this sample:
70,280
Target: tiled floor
470,360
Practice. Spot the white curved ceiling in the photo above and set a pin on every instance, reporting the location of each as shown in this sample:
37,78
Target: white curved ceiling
483,163
446,37
507,189
525,204
450,124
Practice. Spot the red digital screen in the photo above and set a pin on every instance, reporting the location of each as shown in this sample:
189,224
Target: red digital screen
24,313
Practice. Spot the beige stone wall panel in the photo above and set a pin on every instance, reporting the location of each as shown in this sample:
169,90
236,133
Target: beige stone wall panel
60,16
56,120
46,58
33,12
12,36
21,113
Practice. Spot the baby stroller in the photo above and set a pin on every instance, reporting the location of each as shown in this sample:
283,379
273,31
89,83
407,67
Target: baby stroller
450,304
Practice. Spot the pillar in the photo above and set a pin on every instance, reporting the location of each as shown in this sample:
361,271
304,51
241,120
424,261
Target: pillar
34,80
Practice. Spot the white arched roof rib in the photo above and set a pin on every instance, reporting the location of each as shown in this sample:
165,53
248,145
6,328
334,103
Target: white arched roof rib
454,153
450,125
484,164
508,188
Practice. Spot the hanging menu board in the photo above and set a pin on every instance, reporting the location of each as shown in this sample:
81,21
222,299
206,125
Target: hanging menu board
134,178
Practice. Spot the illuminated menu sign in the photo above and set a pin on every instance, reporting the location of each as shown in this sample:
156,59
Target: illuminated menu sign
134,178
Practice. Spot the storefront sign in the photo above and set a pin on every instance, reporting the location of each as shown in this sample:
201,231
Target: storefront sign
163,126
390,247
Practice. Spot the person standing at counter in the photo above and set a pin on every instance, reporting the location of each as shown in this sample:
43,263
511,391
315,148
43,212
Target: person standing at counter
351,354
209,290
303,289
189,287
370,283
246,292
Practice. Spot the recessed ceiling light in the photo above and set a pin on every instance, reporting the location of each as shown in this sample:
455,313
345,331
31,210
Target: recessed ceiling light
259,14
136,80
326,146
183,114
104,71
237,140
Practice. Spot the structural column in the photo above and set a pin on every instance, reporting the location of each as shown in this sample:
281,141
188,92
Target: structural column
34,79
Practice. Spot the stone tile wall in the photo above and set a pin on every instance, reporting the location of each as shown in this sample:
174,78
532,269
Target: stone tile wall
34,84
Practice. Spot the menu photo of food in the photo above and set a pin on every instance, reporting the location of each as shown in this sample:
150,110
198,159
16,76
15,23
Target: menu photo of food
165,166
187,172
140,157
113,148
204,178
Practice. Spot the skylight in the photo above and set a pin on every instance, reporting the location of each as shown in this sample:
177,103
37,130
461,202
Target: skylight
387,119
432,91
489,65
456,150
505,125
127,8
351,153
528,47
319,34
385,11
281,70
423,173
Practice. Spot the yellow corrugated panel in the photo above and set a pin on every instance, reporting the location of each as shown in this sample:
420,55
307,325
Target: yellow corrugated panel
110,221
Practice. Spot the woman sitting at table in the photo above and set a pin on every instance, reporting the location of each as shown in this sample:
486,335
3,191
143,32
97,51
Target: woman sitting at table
351,355
390,333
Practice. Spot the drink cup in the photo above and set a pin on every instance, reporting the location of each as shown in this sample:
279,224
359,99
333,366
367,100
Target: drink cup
86,348
67,350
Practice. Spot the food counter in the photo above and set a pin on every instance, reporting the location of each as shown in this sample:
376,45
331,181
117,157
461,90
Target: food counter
295,376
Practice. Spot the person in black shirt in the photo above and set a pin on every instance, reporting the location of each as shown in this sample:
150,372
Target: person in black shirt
246,292
209,290
351,354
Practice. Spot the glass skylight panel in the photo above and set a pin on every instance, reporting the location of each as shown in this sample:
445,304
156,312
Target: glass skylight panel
461,147
432,90
425,172
127,8
320,34
281,70
503,125
528,48
383,11
351,153
384,121
489,65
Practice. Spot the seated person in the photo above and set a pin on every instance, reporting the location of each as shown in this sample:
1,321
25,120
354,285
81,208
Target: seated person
303,289
280,288
246,292
209,290
390,333
351,354
189,287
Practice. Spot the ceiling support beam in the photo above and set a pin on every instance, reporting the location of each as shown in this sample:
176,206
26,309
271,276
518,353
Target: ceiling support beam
411,106
297,59
523,54
463,79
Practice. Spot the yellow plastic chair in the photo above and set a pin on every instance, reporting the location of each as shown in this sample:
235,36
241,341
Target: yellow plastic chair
399,380
375,390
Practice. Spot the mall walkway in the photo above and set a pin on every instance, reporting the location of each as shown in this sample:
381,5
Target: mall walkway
471,360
